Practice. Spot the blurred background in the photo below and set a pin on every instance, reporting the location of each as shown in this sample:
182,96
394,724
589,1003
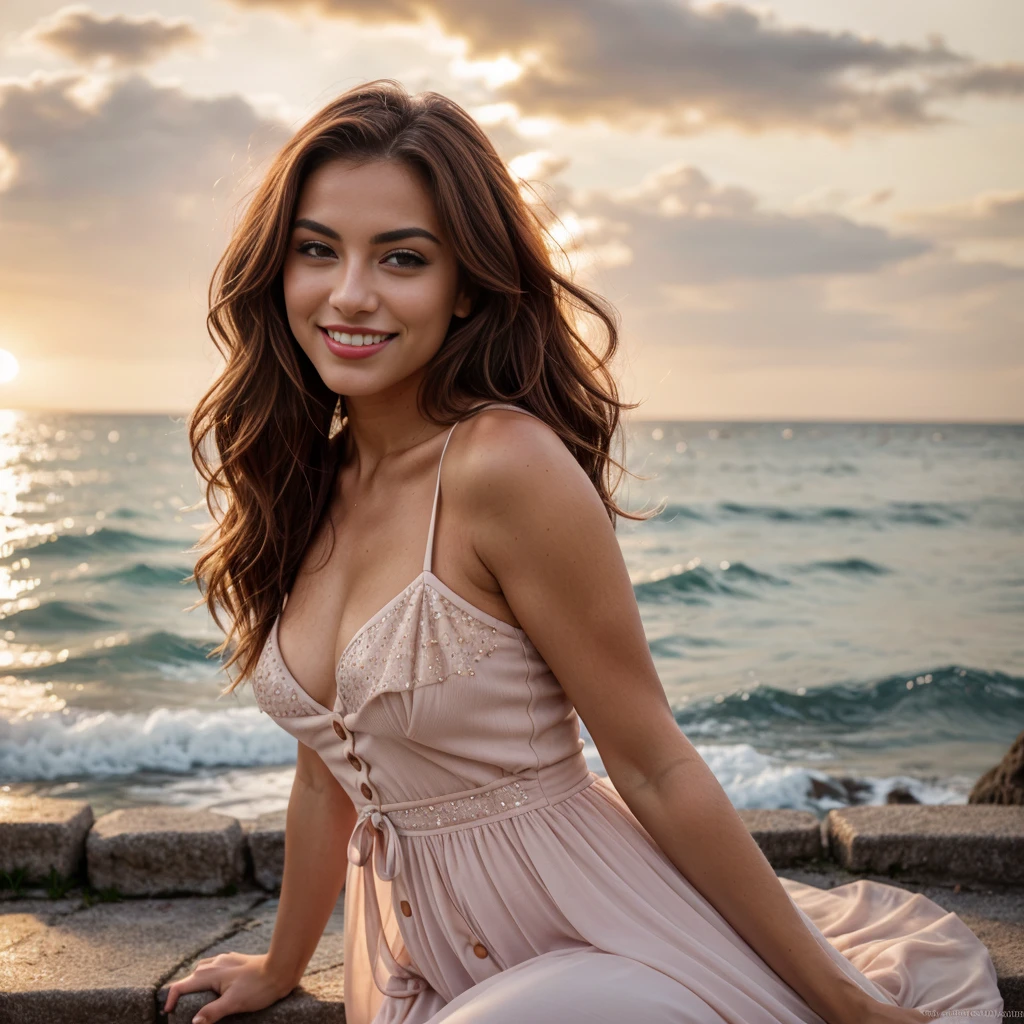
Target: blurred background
810,218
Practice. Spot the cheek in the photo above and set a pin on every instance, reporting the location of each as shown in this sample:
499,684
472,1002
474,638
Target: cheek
427,301
299,292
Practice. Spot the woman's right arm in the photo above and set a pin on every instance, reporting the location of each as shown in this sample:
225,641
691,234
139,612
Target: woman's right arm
319,823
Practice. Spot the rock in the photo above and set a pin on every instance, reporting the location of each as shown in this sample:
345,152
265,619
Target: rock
901,795
266,847
162,851
784,836
948,841
1003,784
103,963
846,790
40,834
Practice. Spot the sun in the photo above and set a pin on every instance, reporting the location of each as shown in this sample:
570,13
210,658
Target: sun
8,366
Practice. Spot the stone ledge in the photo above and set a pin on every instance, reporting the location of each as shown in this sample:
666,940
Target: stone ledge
42,834
318,1000
266,847
63,962
320,997
159,851
785,836
102,963
959,843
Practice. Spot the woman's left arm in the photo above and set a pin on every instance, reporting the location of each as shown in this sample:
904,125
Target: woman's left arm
540,527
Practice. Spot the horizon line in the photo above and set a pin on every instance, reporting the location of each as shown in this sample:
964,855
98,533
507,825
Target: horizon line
807,420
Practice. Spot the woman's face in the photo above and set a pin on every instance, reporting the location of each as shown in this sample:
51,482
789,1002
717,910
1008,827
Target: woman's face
370,279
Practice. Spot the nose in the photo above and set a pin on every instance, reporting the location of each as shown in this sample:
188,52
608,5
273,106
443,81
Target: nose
352,291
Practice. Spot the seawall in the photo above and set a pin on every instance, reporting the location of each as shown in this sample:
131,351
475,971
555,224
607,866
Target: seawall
97,916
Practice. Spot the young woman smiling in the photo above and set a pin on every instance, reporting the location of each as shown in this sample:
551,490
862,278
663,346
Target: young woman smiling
406,374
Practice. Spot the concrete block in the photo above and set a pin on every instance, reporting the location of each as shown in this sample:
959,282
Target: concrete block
39,834
954,842
160,851
266,847
785,836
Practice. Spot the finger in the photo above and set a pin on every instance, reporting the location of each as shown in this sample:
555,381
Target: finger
214,1011
189,984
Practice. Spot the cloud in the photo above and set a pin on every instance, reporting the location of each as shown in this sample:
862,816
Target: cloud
79,33
115,209
685,70
683,229
75,139
709,281
992,215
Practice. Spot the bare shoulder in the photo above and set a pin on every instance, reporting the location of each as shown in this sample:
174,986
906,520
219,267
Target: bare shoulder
538,525
523,497
508,459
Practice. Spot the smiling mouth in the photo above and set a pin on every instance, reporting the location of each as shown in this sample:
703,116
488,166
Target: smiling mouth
357,340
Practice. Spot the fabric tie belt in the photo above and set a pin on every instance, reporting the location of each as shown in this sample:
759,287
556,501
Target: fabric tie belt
375,836
375,848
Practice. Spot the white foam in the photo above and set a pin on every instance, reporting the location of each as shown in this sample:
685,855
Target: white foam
53,745
48,745
755,780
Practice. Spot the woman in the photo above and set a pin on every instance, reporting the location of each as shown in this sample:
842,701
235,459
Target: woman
388,274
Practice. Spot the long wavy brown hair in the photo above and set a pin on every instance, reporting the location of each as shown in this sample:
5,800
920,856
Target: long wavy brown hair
265,436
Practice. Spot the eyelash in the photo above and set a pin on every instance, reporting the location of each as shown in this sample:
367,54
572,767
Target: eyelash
306,248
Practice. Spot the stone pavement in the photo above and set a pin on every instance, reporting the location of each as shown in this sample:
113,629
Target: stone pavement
126,917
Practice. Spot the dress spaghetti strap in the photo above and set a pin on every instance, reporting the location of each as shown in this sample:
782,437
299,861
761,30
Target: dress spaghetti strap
429,554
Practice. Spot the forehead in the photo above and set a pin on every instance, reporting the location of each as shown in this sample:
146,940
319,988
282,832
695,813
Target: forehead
367,196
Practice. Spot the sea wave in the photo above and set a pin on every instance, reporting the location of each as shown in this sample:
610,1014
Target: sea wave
54,745
948,702
76,546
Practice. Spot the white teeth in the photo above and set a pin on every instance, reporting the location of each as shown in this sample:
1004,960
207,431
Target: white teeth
356,339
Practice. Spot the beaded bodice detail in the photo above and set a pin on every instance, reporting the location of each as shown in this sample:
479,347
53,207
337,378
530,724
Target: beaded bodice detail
275,690
420,639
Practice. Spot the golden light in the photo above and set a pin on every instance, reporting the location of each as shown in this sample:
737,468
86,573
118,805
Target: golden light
8,366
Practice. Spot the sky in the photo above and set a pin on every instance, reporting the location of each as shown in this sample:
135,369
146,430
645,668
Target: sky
801,210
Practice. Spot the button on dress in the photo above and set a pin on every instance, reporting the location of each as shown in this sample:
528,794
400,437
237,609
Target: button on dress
494,879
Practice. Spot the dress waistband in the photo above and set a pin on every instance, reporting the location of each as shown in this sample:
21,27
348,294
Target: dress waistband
374,846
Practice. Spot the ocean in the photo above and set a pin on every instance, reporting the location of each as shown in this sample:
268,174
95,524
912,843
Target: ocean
835,611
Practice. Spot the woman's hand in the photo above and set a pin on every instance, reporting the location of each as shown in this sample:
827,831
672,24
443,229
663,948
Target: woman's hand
242,982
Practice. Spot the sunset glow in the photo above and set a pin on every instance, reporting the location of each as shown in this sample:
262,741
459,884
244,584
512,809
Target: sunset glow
8,366
799,210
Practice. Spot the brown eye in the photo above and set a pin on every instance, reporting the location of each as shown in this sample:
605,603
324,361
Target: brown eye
414,258
317,250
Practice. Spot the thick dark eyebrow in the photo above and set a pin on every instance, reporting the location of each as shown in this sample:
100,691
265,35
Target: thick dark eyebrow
398,235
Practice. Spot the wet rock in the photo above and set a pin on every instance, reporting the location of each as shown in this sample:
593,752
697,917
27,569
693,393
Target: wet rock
1004,783
901,795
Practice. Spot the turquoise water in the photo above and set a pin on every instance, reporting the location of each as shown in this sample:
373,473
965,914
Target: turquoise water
823,602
